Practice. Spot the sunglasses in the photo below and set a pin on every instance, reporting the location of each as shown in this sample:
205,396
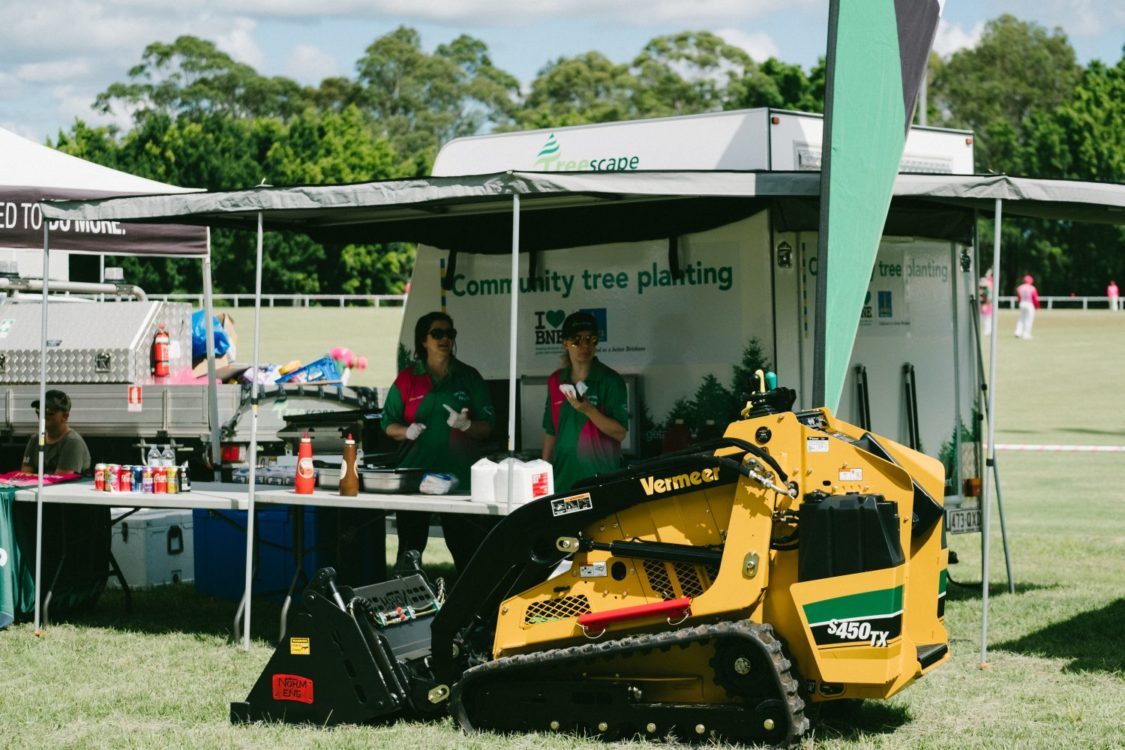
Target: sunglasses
437,334
584,340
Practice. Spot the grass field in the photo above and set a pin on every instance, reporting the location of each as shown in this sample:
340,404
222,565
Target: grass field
164,676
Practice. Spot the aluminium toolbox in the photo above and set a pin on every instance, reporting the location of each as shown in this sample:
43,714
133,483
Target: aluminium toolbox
153,547
92,342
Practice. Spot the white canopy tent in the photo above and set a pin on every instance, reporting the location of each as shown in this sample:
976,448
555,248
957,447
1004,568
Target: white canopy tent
30,173
471,214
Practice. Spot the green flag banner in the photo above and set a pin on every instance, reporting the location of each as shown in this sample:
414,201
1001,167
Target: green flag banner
877,53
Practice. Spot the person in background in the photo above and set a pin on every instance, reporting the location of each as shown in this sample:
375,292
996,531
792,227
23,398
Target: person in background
1029,302
65,450
985,297
440,406
587,408
1113,294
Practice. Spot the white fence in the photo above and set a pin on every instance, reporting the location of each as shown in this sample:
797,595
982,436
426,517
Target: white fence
1063,303
291,300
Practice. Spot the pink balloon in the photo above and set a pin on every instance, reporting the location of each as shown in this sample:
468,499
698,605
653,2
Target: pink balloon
336,352
349,358
361,363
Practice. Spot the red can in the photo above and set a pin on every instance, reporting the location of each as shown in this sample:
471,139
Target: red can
159,480
99,477
125,479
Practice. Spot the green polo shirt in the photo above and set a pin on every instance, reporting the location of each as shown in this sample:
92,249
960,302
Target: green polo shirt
581,449
440,447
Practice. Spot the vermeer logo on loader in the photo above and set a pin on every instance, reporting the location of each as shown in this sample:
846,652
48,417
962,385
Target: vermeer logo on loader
574,504
292,687
653,486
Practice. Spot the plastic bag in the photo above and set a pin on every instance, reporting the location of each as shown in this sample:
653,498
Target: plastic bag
199,336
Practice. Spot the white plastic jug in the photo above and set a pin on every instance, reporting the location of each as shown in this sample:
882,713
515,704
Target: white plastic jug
483,474
534,479
500,483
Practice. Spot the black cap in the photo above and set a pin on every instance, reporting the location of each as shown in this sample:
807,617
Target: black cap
56,401
577,322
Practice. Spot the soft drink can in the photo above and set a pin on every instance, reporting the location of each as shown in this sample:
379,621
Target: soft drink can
125,479
138,478
173,479
99,477
159,480
185,481
113,477
146,479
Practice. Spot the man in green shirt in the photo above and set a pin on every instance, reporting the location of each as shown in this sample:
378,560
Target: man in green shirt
65,451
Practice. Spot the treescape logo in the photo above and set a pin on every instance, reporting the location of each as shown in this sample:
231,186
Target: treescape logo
550,159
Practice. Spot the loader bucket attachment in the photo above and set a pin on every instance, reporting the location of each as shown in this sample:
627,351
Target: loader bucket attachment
350,657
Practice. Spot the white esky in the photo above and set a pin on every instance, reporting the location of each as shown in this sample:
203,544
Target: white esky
57,55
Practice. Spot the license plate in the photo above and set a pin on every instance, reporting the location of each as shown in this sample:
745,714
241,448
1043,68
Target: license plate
963,521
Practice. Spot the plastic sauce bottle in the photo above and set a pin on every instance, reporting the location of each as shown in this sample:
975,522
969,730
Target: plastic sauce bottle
349,470
306,475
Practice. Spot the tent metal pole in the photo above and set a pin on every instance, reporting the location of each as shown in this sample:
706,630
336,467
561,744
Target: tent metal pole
212,389
245,606
956,371
512,342
986,506
42,426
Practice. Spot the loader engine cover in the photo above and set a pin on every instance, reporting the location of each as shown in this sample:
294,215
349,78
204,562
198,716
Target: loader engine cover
709,594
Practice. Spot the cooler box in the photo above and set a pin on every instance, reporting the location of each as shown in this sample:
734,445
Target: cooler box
153,547
220,550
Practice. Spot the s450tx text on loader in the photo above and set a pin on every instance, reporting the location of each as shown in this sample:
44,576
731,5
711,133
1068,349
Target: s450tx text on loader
710,593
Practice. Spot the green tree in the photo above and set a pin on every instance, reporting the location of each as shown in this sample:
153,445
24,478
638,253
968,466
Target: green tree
422,100
1017,69
687,73
588,88
191,76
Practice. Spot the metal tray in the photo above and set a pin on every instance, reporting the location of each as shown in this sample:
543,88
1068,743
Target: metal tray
328,477
390,481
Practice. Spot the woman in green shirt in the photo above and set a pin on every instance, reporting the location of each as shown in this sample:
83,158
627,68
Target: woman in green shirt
441,407
587,408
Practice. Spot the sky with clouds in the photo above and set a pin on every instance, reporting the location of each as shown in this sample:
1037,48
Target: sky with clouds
57,55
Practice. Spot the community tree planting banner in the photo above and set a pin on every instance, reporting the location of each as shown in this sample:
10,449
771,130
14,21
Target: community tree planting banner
671,330
877,53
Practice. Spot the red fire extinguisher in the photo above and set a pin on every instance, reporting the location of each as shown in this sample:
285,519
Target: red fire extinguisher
161,355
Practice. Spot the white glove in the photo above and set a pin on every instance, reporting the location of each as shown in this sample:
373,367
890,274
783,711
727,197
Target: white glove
458,420
414,430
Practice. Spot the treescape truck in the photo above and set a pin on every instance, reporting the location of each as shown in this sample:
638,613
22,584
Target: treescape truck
720,593
102,354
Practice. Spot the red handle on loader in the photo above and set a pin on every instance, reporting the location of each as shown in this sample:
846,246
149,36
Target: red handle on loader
596,622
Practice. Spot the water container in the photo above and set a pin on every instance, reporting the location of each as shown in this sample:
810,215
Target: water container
500,481
168,457
153,457
534,479
483,477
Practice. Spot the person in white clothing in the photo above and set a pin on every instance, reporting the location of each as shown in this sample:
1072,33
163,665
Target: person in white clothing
1113,294
985,297
1029,302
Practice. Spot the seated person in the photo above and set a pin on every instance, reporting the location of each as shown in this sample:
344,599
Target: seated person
65,450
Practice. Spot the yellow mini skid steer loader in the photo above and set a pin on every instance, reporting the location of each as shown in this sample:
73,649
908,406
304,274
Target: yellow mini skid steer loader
709,593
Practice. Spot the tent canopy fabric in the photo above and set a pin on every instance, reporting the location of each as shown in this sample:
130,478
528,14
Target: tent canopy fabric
473,213
30,173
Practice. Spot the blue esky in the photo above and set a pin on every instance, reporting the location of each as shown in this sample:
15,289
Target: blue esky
57,55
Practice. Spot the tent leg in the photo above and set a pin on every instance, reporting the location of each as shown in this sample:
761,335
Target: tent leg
253,442
42,424
986,506
212,389
512,341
